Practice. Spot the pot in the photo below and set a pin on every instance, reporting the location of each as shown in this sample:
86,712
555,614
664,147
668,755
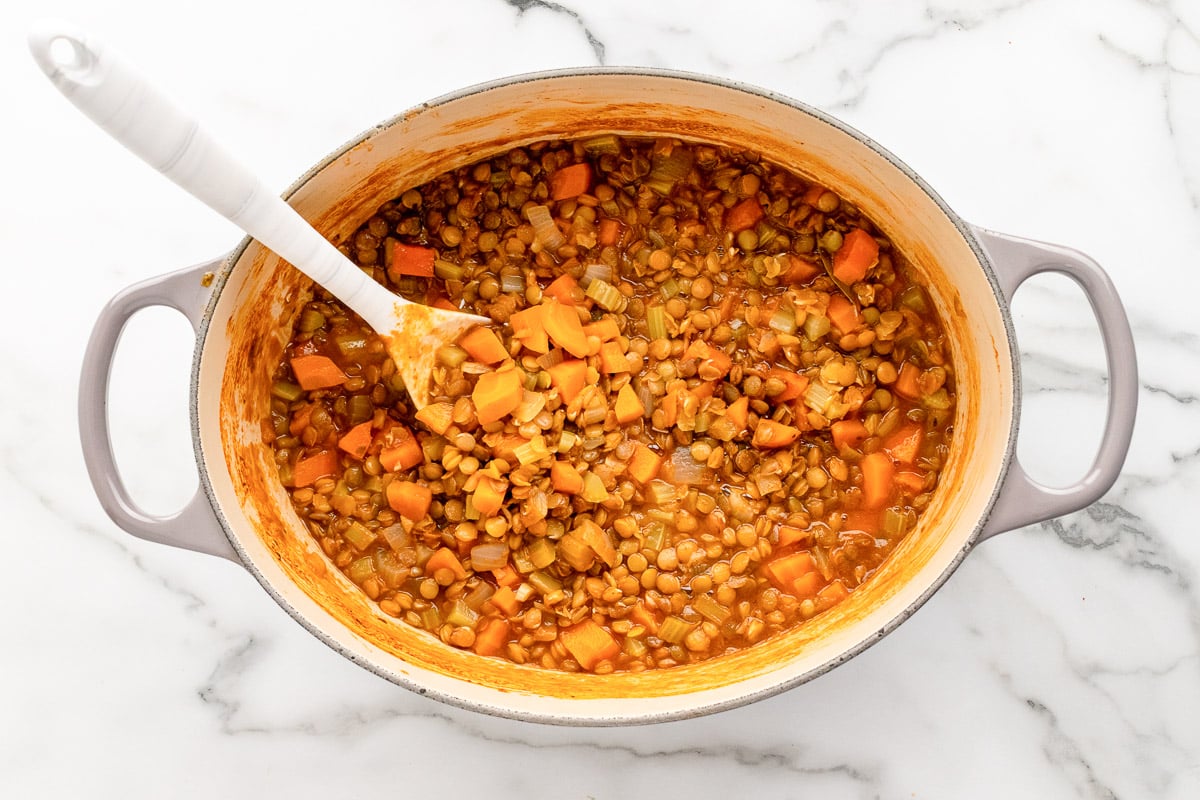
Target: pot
243,304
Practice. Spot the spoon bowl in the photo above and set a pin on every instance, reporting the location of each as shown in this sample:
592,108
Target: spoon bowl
134,113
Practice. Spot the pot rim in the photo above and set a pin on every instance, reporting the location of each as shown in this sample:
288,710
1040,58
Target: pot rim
694,710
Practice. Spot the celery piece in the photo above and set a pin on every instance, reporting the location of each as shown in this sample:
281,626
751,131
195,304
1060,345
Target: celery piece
667,169
541,553
634,647
656,322
522,561
479,595
359,536
655,536
784,319
707,606
599,145
816,326
349,344
606,295
431,618
361,569
593,488
938,401
669,288
459,613
286,391
894,523
448,270
311,320
544,582
675,629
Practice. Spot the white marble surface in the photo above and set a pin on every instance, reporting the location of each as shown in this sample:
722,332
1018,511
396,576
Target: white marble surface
1062,660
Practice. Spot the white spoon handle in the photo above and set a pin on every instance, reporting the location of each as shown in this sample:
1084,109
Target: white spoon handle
138,116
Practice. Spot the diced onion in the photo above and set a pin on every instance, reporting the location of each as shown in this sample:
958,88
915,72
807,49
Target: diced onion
544,228
684,469
513,283
594,272
490,555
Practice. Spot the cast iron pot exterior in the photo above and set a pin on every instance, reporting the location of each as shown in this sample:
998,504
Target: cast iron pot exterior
243,305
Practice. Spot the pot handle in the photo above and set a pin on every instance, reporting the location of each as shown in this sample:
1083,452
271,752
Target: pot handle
1023,501
195,526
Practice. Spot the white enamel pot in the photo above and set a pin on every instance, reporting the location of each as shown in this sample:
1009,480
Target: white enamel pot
243,305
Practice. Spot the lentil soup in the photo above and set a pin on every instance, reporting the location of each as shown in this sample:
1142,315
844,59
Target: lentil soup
713,401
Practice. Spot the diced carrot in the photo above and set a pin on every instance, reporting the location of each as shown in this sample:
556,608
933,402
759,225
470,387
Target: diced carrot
491,637
409,500
905,442
605,329
589,643
644,464
770,434
728,303
564,328
608,232
799,271
569,377
496,394
316,372
506,576
879,478
438,417
409,259
738,412
832,594
439,301
714,357
489,496
784,570
843,315
444,558
565,478
807,585
300,420
399,449
790,534
795,384
669,405
529,328
908,383
483,345
704,390
848,433
913,482
356,440
570,181
647,618
562,289
745,214
862,519
599,540
858,253
505,600
506,448
812,194
309,470
612,360
628,406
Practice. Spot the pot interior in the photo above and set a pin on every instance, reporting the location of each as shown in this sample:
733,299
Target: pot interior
252,314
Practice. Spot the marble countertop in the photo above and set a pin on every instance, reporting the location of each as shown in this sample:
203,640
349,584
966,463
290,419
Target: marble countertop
1062,660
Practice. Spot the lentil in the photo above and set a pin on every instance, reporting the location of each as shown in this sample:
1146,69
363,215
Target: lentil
734,493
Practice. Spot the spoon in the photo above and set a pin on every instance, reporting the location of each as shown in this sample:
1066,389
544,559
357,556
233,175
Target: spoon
134,113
